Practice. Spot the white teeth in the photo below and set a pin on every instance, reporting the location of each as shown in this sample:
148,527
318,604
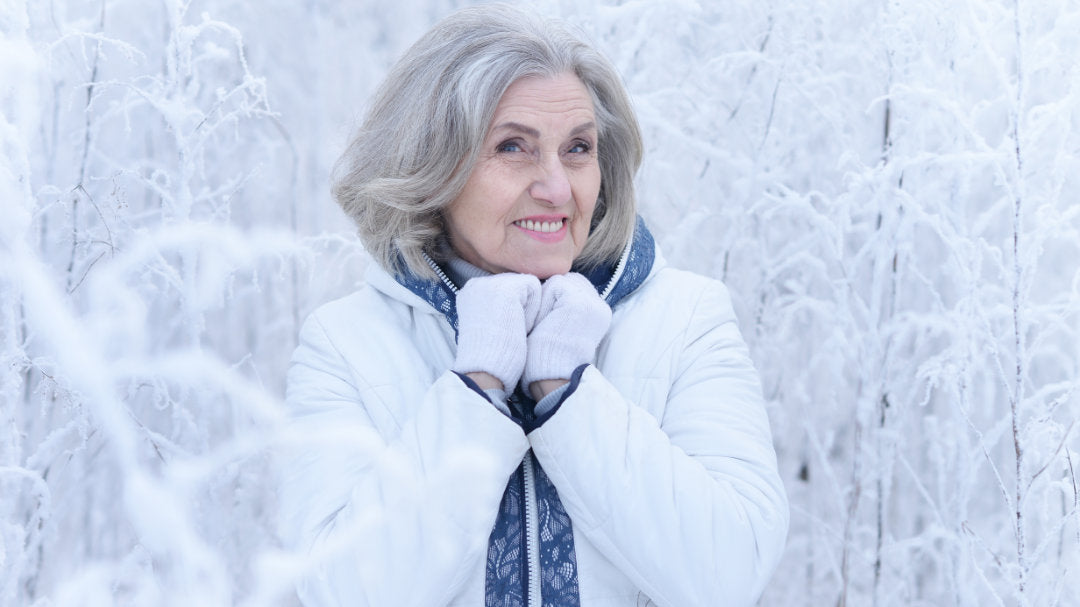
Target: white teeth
540,226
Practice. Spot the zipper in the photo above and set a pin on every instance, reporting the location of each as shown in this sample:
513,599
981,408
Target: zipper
615,276
529,508
619,267
533,593
532,534
439,272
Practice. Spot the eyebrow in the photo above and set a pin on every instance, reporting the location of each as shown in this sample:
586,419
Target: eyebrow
531,132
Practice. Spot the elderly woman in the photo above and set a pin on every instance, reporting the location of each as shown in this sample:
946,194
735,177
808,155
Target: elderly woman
524,405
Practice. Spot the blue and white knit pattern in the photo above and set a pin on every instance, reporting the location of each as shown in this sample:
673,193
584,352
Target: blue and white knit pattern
440,294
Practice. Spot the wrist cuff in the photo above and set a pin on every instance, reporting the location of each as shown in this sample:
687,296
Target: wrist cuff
551,403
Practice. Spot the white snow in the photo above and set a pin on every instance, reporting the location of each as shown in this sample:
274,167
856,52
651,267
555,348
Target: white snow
889,189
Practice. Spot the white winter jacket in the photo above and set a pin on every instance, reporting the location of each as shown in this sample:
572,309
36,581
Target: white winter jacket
661,456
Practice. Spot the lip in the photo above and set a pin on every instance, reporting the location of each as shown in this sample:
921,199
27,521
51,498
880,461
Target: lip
549,218
555,236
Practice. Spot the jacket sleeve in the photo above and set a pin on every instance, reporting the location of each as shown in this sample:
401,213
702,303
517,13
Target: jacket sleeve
690,507
387,520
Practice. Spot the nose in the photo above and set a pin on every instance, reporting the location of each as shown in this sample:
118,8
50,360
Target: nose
552,184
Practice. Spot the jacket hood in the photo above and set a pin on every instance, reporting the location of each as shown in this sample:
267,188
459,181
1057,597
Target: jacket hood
613,281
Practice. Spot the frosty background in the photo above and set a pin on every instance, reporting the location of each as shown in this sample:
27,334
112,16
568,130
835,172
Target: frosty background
890,189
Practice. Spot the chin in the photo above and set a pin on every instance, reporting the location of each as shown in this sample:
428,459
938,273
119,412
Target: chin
545,271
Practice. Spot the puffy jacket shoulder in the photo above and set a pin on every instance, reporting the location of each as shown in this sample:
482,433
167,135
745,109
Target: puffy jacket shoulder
651,329
384,348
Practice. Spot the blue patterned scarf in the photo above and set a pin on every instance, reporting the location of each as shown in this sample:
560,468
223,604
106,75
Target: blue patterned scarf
507,573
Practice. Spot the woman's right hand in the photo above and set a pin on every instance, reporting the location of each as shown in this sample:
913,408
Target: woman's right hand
495,314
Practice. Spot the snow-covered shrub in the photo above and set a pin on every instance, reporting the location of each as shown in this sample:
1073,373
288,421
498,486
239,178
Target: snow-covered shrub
889,189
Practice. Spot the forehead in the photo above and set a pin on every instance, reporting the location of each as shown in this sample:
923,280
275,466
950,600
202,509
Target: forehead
546,99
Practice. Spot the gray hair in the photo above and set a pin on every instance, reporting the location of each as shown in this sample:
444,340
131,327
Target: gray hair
422,134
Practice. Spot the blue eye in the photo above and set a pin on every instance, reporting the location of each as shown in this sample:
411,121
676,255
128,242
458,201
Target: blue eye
580,147
508,146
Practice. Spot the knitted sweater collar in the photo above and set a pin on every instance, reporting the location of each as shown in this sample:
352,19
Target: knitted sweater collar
612,281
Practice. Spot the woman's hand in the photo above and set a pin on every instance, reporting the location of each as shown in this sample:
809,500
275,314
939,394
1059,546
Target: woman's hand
495,313
570,324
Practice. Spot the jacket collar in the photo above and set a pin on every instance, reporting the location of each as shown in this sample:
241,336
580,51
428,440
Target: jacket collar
612,281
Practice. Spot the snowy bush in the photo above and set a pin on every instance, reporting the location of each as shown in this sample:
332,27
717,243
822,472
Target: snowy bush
889,189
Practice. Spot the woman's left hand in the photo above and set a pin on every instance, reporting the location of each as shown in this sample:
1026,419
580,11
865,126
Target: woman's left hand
571,322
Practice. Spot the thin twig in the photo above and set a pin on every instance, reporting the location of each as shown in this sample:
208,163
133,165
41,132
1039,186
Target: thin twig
1053,456
1018,387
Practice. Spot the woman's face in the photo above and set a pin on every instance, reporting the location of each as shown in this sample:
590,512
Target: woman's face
529,201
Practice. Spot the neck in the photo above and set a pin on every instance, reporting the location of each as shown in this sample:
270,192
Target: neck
460,271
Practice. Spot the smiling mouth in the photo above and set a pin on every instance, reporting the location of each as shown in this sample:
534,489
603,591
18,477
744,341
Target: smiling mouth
544,227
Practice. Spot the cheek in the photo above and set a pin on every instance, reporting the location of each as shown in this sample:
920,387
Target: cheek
476,208
493,198
589,193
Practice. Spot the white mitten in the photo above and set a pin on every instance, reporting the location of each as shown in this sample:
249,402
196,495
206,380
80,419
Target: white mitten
495,313
571,322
